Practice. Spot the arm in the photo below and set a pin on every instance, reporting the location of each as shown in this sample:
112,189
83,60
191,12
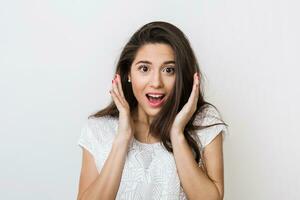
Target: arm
106,184
196,183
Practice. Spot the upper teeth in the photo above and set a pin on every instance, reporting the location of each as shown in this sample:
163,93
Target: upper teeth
156,96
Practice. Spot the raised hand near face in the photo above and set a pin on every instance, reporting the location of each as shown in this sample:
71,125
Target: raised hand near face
183,117
125,128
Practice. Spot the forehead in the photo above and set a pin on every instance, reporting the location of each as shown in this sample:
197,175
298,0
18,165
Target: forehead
156,53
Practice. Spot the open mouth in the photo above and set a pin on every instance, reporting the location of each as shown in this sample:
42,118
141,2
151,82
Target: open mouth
155,100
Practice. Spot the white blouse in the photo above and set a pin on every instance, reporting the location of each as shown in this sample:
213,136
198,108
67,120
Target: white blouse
150,170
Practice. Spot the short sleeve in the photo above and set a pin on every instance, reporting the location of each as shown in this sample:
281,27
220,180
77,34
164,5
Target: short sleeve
87,138
210,116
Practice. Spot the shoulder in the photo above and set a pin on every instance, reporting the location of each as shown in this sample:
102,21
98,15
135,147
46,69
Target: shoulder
209,115
210,124
96,136
101,128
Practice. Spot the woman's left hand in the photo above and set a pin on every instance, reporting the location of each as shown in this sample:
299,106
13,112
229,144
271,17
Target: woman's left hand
183,117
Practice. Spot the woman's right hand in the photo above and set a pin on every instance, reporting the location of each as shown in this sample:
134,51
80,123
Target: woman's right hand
125,128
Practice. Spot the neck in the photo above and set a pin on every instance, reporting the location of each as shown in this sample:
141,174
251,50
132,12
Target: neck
140,115
142,123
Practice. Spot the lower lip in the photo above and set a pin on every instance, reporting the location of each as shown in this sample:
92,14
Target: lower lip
156,104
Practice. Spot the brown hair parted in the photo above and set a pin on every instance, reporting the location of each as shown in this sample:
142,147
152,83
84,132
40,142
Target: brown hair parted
185,66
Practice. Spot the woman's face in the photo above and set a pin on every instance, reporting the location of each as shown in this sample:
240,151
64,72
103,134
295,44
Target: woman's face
152,76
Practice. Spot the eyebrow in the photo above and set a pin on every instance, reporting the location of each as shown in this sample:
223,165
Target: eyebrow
148,62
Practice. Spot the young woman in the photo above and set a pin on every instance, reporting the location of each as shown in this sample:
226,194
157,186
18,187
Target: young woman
159,138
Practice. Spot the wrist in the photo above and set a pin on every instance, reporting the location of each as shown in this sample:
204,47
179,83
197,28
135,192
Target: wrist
122,140
176,134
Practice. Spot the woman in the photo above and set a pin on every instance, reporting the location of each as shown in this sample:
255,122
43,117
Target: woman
158,139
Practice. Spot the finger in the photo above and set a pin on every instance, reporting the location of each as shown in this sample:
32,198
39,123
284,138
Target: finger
116,100
116,90
197,86
119,84
192,101
197,89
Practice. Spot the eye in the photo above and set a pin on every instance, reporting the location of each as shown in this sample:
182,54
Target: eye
143,68
169,70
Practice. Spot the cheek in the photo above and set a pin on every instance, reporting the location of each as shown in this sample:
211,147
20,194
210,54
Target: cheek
138,88
170,84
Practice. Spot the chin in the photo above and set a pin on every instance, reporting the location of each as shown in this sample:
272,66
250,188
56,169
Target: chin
152,111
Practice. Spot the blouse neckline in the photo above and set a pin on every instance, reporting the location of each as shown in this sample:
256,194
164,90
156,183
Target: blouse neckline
156,144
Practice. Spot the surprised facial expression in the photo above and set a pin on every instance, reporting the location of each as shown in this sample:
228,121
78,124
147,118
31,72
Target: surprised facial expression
152,76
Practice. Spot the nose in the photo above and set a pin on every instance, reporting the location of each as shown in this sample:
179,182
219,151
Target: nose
156,81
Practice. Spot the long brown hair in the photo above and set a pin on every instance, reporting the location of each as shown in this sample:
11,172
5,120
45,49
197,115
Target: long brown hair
185,66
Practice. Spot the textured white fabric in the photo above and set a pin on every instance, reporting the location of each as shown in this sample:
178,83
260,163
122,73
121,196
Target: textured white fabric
150,170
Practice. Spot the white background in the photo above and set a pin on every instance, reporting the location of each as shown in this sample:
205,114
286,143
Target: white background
57,59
